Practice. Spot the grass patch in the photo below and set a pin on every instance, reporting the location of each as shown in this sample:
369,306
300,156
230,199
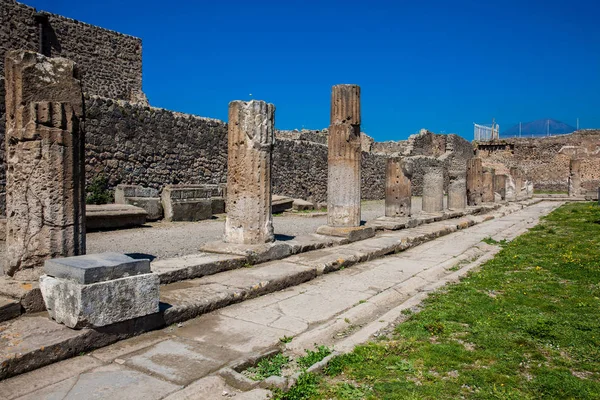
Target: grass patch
313,357
525,326
267,367
489,240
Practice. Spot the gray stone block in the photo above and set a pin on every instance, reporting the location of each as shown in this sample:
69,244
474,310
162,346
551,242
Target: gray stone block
152,205
218,205
92,268
100,304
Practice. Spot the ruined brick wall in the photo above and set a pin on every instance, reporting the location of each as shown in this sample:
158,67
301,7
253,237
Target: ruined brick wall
545,160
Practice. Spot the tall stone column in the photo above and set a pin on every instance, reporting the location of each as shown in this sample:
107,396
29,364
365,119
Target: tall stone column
500,185
474,181
511,188
518,181
397,189
250,143
344,155
45,174
433,188
575,178
488,185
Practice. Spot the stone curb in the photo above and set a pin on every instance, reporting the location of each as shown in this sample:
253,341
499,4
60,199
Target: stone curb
68,343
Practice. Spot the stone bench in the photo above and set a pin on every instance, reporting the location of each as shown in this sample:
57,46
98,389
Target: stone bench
193,202
114,216
146,198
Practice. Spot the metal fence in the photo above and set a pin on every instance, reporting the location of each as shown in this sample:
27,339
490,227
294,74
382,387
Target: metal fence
485,132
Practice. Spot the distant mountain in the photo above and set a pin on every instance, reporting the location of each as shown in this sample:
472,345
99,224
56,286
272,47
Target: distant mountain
538,128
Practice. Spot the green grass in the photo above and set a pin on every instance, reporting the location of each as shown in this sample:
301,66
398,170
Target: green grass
313,357
526,326
268,366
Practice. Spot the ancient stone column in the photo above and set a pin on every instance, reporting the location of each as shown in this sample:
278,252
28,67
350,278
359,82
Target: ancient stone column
433,188
474,181
511,189
488,185
250,142
397,189
457,191
45,174
344,155
500,185
575,178
518,181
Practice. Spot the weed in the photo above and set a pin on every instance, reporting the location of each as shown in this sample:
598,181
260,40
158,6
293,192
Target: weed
286,339
98,192
313,357
268,366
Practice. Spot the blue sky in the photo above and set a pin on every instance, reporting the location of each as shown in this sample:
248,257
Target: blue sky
440,65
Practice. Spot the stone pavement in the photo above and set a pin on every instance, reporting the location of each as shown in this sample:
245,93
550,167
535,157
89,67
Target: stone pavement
339,309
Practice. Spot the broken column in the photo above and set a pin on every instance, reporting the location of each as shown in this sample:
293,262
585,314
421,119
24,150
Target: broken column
45,175
250,143
344,155
575,178
488,185
433,187
518,182
500,185
457,191
474,181
397,189
511,188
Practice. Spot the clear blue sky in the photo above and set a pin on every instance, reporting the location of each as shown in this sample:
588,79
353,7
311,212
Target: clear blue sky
440,65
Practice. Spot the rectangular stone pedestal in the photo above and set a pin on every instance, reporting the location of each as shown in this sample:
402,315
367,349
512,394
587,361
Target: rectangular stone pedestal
99,289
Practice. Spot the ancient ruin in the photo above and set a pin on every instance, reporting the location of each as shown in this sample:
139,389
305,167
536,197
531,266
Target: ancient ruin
474,182
250,136
575,188
45,180
398,192
344,155
433,187
500,185
488,178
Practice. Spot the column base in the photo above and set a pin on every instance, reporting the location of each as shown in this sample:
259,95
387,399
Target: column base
256,253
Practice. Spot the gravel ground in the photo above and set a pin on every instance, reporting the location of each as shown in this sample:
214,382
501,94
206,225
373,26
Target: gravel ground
173,239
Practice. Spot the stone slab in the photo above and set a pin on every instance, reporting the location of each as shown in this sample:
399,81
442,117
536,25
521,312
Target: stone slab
214,387
93,268
113,216
100,304
2,228
195,266
351,233
26,293
9,308
187,210
280,204
255,253
107,382
122,192
302,205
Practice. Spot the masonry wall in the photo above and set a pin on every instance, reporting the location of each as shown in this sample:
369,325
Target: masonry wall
136,144
545,161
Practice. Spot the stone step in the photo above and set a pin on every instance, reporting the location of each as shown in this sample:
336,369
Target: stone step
113,216
32,341
9,308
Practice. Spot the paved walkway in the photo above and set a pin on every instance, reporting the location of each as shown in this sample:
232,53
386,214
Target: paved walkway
179,362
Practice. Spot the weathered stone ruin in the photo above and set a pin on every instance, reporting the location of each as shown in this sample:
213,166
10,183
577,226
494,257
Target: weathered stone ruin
474,182
500,185
397,188
344,144
45,162
575,188
433,186
251,129
488,177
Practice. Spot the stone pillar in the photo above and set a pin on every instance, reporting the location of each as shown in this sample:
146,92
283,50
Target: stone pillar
433,188
575,178
511,189
397,189
488,185
518,180
45,174
250,142
474,181
500,185
344,155
457,191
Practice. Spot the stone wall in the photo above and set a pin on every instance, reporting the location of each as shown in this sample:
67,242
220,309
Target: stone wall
545,161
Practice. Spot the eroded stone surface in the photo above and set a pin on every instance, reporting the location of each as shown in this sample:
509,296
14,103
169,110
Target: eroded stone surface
250,144
102,303
45,179
500,182
575,178
488,185
398,189
433,187
344,156
474,182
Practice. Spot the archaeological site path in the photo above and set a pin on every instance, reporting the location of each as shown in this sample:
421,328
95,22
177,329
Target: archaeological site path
190,360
